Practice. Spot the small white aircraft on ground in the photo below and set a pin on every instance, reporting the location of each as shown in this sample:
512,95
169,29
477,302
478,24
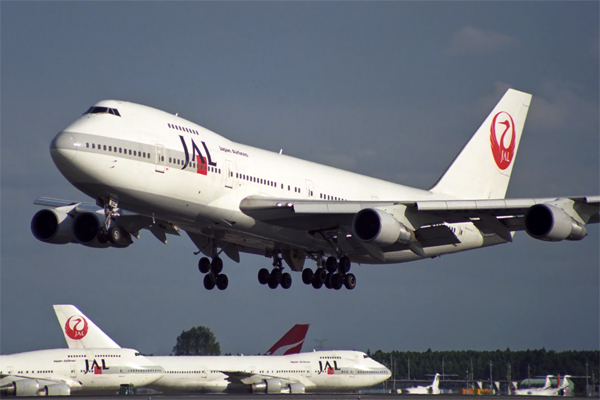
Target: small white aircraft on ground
434,388
563,388
317,371
147,169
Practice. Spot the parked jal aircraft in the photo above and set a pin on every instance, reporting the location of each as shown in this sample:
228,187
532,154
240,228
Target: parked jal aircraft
562,389
147,169
81,332
434,388
75,370
318,371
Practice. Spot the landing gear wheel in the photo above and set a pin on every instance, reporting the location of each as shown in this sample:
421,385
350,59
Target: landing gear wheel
328,281
350,281
209,282
336,281
275,275
307,276
286,281
344,265
273,283
115,235
320,275
102,236
204,265
216,265
331,264
222,281
317,283
263,276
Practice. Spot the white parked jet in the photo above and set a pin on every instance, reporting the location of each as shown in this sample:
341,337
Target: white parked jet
147,169
434,388
547,390
75,370
318,371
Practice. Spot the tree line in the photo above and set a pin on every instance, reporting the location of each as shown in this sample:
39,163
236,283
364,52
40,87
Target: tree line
475,365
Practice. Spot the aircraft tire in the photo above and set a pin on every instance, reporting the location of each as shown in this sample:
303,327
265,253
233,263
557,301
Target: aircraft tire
320,275
286,281
317,283
204,265
222,281
350,281
115,235
216,265
344,265
336,281
102,236
263,276
331,264
328,280
209,282
275,275
273,283
307,276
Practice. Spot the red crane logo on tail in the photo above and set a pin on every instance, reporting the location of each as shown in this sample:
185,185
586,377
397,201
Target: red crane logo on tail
502,132
76,327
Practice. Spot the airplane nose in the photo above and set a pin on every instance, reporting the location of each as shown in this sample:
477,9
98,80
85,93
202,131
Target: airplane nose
63,146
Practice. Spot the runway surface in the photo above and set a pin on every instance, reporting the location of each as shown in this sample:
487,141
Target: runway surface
320,396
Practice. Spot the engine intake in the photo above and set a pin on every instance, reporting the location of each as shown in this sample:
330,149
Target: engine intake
267,386
381,228
52,226
547,222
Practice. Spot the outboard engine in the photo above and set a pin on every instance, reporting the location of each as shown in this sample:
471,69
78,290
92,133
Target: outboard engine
550,223
52,226
378,227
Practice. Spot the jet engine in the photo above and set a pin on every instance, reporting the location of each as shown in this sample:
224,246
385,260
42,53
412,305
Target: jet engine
52,226
380,228
58,389
87,231
22,387
275,385
547,222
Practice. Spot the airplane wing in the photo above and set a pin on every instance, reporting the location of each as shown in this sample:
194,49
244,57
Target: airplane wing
266,382
430,220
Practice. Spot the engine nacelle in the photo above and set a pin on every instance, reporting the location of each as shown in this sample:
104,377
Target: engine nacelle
58,389
547,222
381,228
297,388
86,229
52,226
267,386
23,387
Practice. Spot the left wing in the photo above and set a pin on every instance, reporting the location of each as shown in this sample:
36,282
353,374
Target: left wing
267,383
16,385
428,223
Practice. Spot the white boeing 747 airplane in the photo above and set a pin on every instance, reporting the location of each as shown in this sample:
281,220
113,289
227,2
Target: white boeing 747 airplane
148,169
317,371
75,370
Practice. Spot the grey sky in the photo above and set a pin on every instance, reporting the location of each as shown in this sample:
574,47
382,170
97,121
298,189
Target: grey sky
388,89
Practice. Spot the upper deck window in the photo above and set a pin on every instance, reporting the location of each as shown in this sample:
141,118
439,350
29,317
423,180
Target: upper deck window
102,110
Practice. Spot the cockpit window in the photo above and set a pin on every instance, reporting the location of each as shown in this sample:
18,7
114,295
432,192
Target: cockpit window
102,110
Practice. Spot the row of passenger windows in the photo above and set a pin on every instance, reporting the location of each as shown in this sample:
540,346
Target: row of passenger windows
183,129
33,372
120,150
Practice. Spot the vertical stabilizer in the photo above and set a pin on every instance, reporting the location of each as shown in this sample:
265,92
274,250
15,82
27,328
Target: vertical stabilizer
483,167
291,342
80,332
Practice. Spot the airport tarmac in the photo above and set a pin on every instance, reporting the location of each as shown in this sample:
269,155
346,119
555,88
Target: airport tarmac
317,396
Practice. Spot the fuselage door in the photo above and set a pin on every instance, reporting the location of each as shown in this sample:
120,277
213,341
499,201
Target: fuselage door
229,178
203,372
73,371
160,158
309,189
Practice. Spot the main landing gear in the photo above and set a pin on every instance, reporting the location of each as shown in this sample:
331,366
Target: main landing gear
334,275
276,277
213,276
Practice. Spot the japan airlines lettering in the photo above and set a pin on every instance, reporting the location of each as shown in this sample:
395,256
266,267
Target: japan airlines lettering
197,155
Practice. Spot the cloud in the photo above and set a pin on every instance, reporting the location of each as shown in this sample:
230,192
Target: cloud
471,40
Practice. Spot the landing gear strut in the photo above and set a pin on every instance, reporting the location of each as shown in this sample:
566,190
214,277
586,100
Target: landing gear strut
334,274
213,276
